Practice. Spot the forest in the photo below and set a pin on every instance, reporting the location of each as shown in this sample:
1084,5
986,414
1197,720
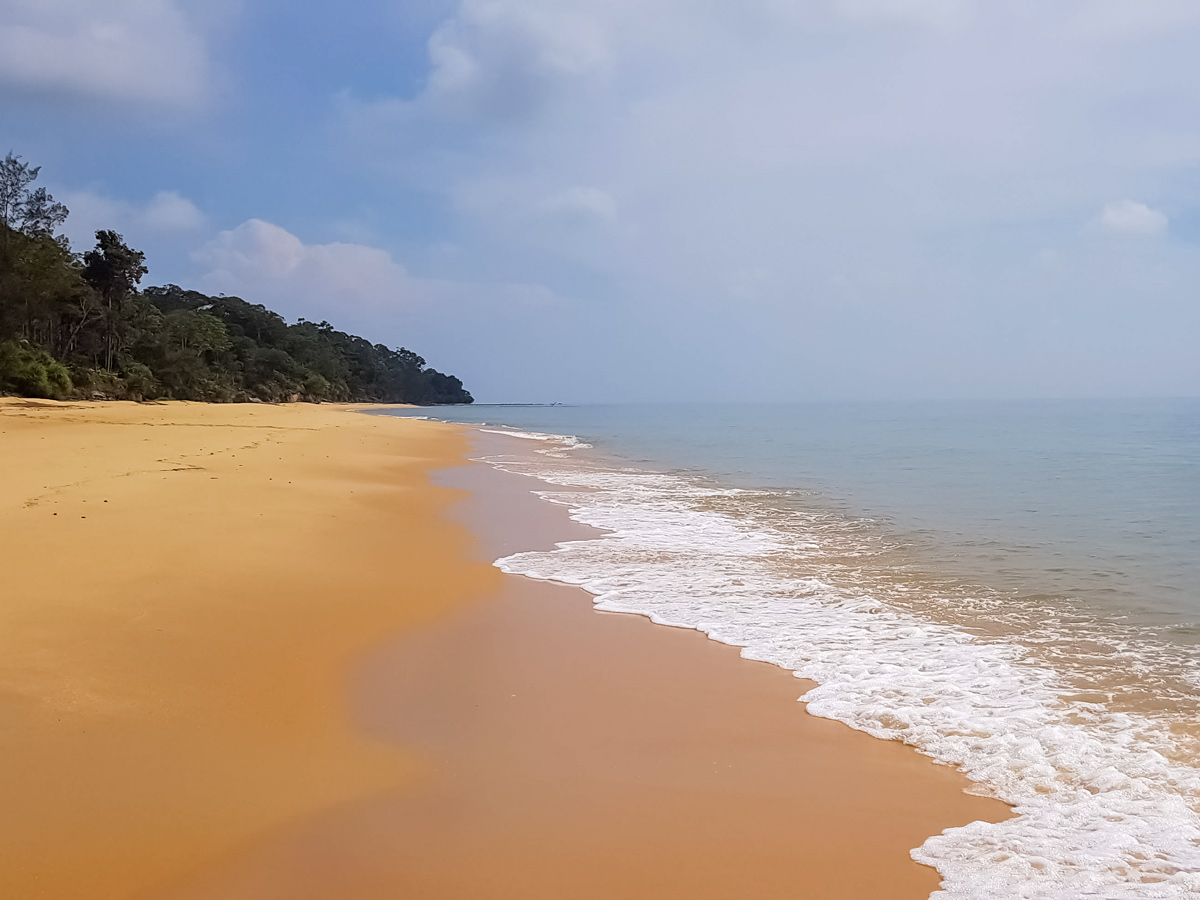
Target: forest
79,326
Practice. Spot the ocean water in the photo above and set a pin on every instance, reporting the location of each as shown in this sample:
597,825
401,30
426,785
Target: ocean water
1013,588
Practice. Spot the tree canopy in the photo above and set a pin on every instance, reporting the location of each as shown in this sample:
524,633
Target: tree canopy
78,325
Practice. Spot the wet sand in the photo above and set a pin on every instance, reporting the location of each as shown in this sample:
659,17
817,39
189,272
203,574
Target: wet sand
272,666
577,754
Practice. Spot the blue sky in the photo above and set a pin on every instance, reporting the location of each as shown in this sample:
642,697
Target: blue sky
619,200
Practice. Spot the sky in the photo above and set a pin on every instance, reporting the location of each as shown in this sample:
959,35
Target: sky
647,200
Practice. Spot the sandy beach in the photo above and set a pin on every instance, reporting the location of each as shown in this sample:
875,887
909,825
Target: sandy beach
185,588
260,652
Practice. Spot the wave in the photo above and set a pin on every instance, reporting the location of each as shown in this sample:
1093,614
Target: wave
557,442
1105,800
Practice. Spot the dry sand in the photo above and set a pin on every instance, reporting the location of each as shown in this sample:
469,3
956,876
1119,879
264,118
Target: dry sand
271,666
183,588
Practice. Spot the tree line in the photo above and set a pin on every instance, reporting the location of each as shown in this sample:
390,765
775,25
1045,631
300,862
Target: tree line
79,326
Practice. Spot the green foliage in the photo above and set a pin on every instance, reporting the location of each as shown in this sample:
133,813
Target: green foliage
29,211
139,381
60,310
277,362
113,270
32,372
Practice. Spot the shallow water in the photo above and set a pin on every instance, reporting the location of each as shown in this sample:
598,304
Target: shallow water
1012,588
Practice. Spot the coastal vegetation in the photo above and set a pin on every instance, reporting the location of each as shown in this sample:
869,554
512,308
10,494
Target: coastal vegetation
80,326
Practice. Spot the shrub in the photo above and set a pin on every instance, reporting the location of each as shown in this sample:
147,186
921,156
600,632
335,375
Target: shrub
31,372
317,387
139,382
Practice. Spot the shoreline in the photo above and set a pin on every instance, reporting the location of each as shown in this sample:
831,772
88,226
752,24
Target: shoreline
610,750
1081,722
575,753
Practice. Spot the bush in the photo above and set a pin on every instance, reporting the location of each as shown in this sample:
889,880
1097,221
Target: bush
30,372
134,382
95,384
317,387
139,382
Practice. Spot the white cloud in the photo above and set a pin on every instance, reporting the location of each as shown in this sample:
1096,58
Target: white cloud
497,62
169,211
501,59
937,13
165,212
349,284
140,51
1120,20
364,290
1129,217
810,153
584,205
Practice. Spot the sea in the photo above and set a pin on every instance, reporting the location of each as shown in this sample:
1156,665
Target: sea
1010,587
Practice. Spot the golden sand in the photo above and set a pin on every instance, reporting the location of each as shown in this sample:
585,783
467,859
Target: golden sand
571,754
183,588
245,654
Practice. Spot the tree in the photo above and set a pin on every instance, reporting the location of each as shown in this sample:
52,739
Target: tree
31,212
40,214
114,271
39,280
79,326
15,178
43,297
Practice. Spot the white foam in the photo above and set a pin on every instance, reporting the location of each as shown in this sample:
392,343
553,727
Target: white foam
1101,809
557,442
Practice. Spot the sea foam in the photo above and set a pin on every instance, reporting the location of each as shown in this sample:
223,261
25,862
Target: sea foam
1104,807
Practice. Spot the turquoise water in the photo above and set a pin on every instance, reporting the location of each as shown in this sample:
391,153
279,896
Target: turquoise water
1013,588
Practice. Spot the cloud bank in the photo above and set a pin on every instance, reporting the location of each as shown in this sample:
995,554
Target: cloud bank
638,199
144,52
348,284
167,214
1130,217
805,184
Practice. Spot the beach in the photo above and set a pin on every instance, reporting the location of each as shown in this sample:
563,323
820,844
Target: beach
260,651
